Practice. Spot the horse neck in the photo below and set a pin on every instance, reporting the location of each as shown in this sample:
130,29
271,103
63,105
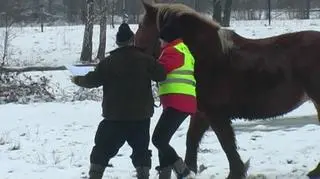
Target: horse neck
207,59
203,39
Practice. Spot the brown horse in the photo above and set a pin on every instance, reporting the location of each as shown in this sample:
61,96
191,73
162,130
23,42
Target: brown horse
237,77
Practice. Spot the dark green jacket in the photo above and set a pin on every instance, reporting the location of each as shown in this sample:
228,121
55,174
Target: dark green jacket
126,76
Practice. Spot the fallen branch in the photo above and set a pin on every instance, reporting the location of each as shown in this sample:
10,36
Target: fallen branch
28,69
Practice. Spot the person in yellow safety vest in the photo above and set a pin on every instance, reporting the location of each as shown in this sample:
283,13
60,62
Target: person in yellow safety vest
178,98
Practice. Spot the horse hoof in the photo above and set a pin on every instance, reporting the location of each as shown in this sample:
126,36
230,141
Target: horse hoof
194,169
235,177
242,173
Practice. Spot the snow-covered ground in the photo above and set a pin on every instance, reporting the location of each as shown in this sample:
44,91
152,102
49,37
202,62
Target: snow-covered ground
50,140
46,140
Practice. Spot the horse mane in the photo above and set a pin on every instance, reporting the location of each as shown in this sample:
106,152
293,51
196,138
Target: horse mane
166,11
225,36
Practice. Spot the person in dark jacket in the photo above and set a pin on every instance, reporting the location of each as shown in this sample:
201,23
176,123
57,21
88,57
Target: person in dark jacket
128,104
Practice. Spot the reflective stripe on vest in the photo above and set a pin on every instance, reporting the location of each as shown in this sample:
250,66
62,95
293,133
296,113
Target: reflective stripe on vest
180,80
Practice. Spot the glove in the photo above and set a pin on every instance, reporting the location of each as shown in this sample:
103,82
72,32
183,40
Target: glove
75,80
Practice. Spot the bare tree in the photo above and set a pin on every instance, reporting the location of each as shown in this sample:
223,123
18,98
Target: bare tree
50,8
269,11
86,53
8,23
72,8
103,29
217,10
83,11
307,11
75,10
113,11
227,13
135,9
68,7
196,5
36,6
41,14
8,18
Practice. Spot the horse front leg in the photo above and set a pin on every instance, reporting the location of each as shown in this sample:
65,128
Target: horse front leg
225,133
197,127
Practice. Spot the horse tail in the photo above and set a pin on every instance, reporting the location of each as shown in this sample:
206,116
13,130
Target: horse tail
317,106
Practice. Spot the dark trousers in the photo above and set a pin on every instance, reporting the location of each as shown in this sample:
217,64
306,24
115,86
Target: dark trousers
111,135
167,125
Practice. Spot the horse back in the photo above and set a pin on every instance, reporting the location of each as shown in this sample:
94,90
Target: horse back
283,56
263,76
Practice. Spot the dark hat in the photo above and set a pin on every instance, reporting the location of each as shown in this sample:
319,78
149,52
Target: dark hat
124,35
169,33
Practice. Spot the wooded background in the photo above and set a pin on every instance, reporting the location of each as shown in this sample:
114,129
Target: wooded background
57,12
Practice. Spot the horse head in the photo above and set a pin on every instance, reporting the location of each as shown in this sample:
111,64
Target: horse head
204,37
147,34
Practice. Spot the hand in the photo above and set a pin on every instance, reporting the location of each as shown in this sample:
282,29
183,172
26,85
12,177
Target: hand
75,79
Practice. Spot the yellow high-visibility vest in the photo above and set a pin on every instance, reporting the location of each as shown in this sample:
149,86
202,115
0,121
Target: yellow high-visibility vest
180,80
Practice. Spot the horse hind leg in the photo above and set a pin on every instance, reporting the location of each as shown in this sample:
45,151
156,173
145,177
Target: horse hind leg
313,91
197,127
225,133
312,87
315,173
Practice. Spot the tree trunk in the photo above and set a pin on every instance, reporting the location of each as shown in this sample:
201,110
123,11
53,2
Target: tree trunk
50,2
5,46
69,11
196,5
6,40
217,9
36,6
113,6
269,11
86,53
103,30
83,11
227,13
307,13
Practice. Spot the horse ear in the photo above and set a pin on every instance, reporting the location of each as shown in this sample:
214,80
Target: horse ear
150,9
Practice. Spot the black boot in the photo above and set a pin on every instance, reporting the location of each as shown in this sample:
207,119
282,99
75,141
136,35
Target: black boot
164,173
142,172
315,172
96,171
182,171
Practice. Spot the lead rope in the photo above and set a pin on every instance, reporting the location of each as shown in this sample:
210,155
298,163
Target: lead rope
157,84
157,97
